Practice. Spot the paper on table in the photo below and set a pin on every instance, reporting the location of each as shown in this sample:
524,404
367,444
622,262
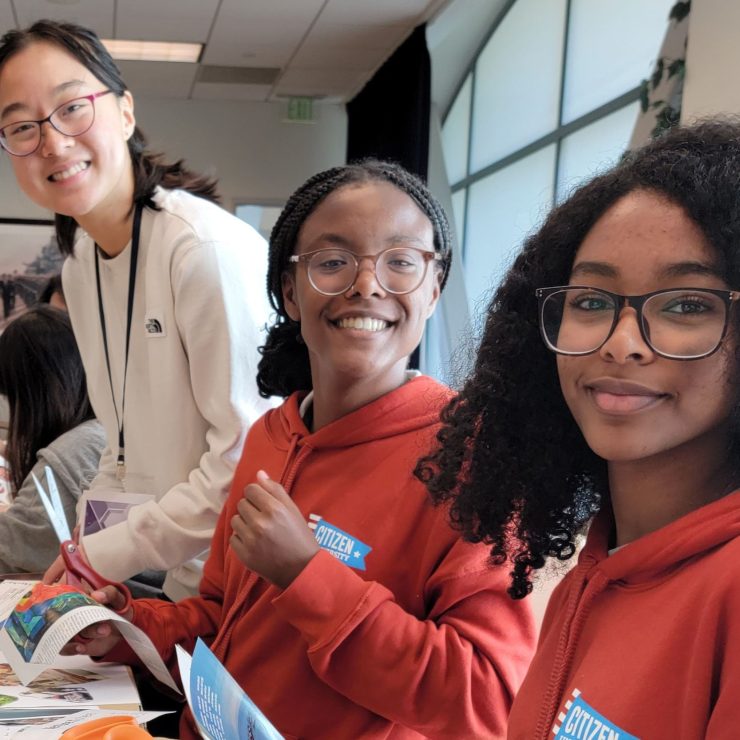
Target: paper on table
46,618
73,681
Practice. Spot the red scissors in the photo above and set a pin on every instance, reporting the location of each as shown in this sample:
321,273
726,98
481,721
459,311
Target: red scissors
79,572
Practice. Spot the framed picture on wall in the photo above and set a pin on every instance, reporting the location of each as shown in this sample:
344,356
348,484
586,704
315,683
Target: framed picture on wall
29,256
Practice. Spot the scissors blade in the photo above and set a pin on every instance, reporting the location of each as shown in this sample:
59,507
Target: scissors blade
62,531
56,501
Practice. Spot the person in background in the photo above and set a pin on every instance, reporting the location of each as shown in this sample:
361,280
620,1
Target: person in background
51,424
606,394
164,290
53,293
335,594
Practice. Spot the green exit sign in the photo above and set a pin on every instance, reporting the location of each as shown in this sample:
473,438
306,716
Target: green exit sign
300,109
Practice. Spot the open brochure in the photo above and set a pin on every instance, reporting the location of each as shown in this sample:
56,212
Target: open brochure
73,691
221,708
39,620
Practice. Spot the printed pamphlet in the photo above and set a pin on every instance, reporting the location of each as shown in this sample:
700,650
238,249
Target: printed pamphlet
221,708
39,620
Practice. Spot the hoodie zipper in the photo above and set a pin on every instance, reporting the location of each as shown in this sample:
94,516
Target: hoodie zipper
287,477
578,612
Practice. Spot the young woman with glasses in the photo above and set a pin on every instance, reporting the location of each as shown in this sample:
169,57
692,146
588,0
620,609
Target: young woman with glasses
606,395
335,594
164,289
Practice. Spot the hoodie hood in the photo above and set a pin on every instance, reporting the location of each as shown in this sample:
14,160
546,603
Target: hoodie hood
414,405
659,552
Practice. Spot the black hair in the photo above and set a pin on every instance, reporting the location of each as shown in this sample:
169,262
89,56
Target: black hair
42,377
284,366
509,457
52,285
149,169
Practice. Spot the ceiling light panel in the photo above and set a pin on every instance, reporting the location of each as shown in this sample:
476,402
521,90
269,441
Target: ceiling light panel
153,51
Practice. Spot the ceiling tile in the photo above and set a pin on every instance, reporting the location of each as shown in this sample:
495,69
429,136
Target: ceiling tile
160,20
323,47
158,79
351,36
95,14
405,13
261,24
314,82
331,57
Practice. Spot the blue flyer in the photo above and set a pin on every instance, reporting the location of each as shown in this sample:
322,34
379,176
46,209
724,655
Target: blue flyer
220,706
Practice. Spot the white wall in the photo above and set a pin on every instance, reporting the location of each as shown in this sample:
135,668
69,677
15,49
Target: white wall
712,60
255,154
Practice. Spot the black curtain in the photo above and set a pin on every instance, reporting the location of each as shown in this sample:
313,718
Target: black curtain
389,117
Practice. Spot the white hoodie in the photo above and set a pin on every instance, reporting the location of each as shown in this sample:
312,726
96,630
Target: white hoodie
199,314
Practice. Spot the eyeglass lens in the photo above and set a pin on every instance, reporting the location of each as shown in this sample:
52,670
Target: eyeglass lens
398,270
71,119
679,323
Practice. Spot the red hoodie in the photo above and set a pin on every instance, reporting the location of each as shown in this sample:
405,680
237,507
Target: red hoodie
643,643
397,629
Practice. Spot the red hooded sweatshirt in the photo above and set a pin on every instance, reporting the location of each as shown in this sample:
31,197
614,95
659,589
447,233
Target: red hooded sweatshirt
396,628
643,643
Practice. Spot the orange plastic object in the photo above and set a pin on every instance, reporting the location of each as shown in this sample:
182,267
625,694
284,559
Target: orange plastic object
122,727
126,732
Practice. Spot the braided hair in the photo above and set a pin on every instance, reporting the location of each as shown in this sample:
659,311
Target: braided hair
284,367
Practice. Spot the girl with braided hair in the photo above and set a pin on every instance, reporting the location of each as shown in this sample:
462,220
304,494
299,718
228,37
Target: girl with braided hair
606,392
335,594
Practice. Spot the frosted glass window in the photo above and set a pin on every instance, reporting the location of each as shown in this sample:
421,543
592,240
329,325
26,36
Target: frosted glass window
517,80
612,45
458,215
503,208
456,134
261,218
594,147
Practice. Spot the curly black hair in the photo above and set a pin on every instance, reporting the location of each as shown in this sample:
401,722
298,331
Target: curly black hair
284,367
510,460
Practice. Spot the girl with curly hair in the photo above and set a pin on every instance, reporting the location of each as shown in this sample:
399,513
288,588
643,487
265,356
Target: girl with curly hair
342,601
605,395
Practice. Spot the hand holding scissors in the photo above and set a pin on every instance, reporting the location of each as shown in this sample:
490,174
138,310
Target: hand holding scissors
79,572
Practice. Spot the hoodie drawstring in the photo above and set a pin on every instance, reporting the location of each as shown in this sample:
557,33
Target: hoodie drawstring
578,612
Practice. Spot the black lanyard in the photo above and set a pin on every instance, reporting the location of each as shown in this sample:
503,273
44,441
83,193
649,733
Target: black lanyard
121,460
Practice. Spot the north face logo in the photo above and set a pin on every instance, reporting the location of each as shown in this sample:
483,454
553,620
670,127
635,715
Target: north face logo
153,326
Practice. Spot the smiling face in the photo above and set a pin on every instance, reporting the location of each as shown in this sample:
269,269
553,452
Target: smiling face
73,176
365,335
630,403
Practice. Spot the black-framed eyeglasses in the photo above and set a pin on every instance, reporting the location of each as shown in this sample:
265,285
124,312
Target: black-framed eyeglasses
676,323
73,118
398,270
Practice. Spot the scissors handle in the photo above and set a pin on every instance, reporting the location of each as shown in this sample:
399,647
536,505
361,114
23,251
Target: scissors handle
80,572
